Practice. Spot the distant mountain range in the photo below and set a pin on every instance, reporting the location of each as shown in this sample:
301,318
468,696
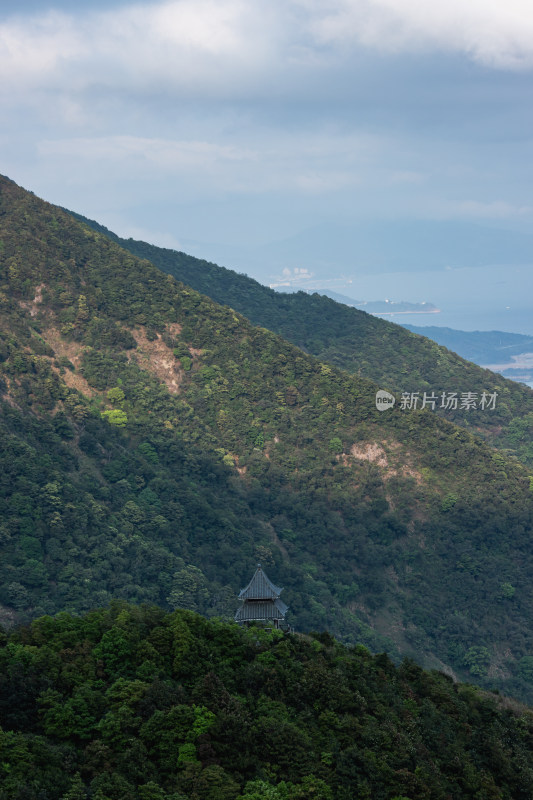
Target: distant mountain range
510,354
382,308
355,247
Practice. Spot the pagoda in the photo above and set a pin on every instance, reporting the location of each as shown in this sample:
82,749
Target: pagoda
260,601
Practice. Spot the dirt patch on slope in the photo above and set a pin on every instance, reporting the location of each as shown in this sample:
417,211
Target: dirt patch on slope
76,381
32,305
63,349
158,359
73,351
174,328
389,462
370,451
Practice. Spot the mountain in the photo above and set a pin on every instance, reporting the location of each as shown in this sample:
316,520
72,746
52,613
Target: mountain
155,445
352,248
135,704
497,348
380,307
349,338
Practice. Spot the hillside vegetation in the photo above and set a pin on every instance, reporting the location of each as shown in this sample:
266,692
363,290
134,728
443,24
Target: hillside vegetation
136,704
155,445
386,353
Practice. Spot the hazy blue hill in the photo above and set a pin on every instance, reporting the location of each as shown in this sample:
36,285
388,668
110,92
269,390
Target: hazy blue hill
481,347
365,247
376,306
409,245
358,342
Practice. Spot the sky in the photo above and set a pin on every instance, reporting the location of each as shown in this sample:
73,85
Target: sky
254,132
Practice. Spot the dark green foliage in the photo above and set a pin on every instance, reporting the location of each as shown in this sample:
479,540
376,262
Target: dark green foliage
134,703
118,477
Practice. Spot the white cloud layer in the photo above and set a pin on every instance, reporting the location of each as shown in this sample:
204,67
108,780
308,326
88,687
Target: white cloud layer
229,46
495,33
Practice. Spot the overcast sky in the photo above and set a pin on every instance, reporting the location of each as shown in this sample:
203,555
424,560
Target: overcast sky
228,122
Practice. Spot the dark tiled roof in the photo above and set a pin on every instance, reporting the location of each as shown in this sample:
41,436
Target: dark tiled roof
260,588
261,610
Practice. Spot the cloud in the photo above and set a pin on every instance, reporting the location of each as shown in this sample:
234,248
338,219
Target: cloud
496,34
226,47
321,164
188,44
286,109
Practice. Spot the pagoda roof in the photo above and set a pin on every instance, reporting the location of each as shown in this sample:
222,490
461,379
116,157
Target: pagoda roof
261,610
260,587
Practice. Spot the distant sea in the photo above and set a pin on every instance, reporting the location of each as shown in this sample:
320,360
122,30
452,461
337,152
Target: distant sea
498,298
469,299
512,320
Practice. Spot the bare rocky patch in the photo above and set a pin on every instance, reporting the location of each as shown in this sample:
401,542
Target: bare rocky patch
32,305
158,358
63,348
370,451
385,455
74,352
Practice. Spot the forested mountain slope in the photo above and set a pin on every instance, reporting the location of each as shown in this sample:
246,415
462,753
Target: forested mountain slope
155,445
351,339
136,704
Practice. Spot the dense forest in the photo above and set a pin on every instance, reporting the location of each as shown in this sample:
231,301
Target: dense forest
132,703
155,445
360,343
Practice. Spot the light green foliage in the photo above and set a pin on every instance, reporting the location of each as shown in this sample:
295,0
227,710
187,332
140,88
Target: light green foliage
477,660
449,501
261,790
312,788
77,790
115,395
115,416
187,754
507,590
203,720
151,791
189,589
335,445
149,452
